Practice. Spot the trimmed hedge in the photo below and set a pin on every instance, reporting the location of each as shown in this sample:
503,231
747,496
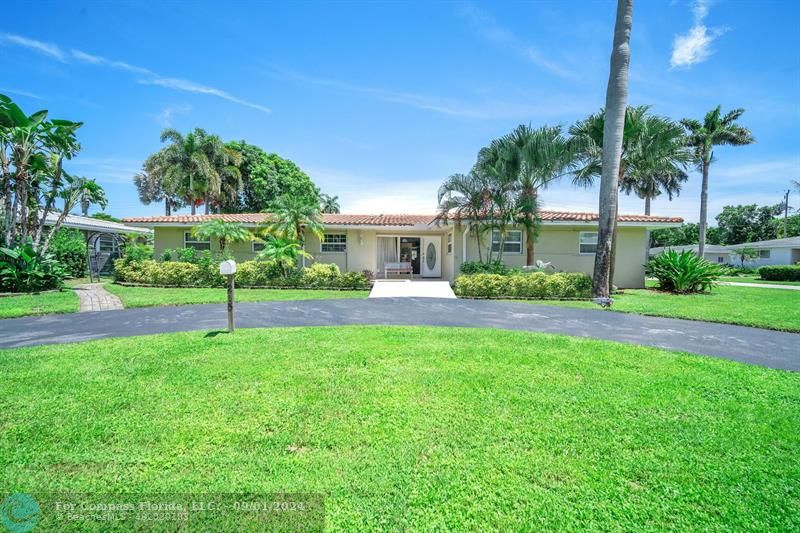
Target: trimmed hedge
248,274
780,273
524,285
479,267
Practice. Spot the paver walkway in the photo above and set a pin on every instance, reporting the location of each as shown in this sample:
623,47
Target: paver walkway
761,285
94,297
773,349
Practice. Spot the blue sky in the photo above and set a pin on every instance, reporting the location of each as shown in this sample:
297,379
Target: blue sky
378,102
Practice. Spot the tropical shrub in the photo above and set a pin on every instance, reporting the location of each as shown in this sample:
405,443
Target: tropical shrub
780,273
524,285
205,273
135,252
321,275
22,269
186,255
480,267
683,272
68,246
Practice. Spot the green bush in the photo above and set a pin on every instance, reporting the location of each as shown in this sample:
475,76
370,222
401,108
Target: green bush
321,275
524,285
205,273
135,252
22,269
479,267
68,246
683,272
780,273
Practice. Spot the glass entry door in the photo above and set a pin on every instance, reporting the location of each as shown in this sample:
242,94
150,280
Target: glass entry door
410,252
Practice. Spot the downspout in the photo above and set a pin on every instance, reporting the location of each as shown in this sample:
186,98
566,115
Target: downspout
464,246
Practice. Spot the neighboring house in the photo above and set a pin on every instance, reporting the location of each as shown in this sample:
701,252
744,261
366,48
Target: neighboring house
434,249
772,252
713,252
102,237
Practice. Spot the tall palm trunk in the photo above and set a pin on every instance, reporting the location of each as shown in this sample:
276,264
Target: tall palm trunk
205,201
647,206
616,101
703,209
167,207
529,231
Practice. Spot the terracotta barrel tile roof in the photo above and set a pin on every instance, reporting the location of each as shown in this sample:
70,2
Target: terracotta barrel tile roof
384,219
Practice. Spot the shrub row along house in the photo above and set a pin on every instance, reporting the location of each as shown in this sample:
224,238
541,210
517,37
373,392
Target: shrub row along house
432,248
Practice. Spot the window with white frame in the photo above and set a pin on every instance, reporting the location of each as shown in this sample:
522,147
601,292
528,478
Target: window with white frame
763,254
190,241
258,245
449,244
587,242
512,244
334,243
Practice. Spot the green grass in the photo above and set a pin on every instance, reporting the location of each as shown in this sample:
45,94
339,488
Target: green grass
152,296
756,279
747,306
65,301
412,428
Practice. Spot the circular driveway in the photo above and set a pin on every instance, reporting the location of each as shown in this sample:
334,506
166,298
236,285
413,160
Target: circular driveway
738,343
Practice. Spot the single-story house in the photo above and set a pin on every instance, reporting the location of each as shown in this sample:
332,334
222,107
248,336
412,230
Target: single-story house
713,252
433,248
771,252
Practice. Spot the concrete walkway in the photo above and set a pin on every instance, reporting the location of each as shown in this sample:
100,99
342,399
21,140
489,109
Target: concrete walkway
761,285
406,288
749,345
94,297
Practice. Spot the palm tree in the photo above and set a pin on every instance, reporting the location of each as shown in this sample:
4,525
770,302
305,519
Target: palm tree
329,204
716,129
497,165
196,165
465,197
284,252
224,232
290,214
613,133
538,156
653,158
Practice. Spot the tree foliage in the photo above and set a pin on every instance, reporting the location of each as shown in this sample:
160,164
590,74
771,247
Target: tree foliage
33,182
747,223
265,178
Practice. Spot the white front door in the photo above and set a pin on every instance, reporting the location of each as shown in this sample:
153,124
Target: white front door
431,257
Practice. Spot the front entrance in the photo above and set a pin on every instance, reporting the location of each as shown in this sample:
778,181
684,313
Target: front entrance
420,256
409,252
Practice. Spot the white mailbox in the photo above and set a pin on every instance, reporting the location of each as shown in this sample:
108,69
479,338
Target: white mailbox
227,268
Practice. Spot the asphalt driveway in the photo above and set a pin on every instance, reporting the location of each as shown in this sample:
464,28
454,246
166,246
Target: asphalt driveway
738,343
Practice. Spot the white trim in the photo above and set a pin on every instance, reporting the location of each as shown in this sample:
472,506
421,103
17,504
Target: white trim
505,252
322,242
580,234
195,240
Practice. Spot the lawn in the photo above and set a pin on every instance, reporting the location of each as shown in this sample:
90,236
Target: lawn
756,279
152,296
747,306
412,428
65,301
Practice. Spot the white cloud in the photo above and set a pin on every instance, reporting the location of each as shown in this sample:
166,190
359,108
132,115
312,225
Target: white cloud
695,46
165,117
20,92
47,49
489,29
192,87
151,78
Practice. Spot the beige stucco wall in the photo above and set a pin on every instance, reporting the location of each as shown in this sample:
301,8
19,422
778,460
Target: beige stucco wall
559,245
556,244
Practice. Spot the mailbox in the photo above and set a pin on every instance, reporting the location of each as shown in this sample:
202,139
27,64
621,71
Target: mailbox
227,268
